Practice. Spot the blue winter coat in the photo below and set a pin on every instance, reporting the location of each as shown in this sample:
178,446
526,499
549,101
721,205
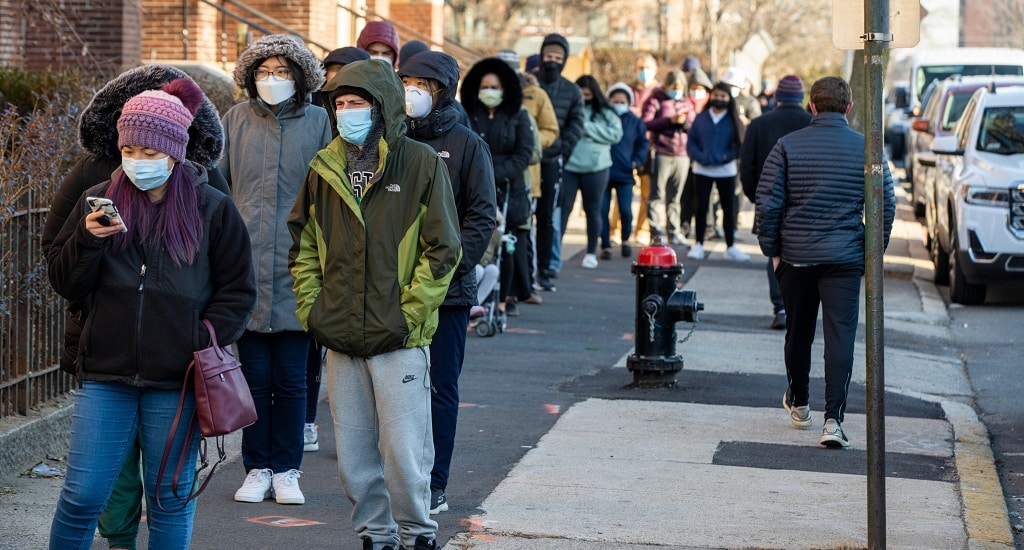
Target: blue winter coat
631,151
810,198
712,144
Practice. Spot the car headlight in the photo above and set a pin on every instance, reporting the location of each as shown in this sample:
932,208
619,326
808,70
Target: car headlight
986,196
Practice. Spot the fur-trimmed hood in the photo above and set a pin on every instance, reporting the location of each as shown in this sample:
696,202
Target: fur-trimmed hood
97,127
512,91
285,45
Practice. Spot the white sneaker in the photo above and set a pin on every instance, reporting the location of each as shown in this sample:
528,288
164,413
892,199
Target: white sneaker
590,261
696,253
310,439
735,254
256,486
286,488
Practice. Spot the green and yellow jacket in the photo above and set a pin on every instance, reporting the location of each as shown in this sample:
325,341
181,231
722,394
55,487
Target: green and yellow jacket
371,272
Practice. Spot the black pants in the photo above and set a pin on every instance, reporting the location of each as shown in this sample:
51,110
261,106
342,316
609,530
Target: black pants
836,287
773,289
550,179
726,192
515,267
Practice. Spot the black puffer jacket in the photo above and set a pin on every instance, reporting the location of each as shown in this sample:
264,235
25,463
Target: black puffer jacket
144,311
508,135
567,100
810,198
98,136
469,166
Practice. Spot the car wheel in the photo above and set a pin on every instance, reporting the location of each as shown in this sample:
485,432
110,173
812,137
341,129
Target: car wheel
961,291
941,260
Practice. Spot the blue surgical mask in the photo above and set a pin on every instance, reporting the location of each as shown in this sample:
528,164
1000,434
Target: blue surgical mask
354,124
674,94
146,174
620,108
645,75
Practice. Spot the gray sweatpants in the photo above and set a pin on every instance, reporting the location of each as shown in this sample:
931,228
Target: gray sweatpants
381,410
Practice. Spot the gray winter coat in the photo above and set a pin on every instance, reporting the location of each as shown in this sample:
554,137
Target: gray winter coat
265,162
810,198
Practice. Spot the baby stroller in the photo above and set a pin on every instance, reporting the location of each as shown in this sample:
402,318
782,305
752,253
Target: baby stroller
493,320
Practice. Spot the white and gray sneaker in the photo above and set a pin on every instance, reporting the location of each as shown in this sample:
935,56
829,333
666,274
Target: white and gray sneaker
310,440
800,417
735,254
832,435
286,488
256,486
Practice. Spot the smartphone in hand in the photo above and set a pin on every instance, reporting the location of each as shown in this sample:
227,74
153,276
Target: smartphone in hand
110,212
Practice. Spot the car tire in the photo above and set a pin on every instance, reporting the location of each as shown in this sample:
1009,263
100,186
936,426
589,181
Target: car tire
961,291
941,260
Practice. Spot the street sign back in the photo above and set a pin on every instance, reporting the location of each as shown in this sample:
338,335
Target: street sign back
848,24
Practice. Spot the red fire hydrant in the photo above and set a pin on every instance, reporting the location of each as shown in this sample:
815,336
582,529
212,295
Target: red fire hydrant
661,302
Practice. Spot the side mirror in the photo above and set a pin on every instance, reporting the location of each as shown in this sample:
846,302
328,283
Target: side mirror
921,125
901,98
946,145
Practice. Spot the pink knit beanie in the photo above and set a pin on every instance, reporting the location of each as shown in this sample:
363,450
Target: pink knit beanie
159,119
379,31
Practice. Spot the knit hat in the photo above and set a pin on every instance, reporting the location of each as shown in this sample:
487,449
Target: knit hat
532,62
412,48
342,90
690,63
346,55
159,119
700,78
510,57
623,88
790,90
379,31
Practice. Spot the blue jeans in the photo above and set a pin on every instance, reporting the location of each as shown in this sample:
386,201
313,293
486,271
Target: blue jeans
274,365
447,350
108,416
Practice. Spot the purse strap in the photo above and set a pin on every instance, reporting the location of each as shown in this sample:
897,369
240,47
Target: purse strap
193,423
213,334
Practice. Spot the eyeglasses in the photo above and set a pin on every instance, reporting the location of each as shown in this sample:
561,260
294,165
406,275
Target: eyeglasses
281,73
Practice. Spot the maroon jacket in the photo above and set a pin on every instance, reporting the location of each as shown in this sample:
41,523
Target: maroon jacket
667,137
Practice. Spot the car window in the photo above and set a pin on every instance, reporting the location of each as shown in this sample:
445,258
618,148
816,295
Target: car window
964,128
926,74
930,106
954,108
1002,130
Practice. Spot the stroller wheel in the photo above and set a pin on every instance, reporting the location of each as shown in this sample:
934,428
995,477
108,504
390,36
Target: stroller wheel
484,329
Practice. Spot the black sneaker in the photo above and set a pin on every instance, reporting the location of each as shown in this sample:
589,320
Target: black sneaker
438,501
606,254
627,251
511,309
422,543
368,545
545,283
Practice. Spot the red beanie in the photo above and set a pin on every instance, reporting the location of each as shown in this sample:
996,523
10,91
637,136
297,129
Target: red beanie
379,31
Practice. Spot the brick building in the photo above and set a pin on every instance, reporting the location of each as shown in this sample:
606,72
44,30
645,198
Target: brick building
113,35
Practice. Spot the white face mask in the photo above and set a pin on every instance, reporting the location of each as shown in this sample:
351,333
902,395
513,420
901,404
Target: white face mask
418,103
734,91
383,58
699,93
274,90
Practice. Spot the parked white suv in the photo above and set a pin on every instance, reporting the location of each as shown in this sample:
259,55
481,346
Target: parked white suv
979,196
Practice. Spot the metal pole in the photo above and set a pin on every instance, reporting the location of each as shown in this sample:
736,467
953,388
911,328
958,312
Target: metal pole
876,39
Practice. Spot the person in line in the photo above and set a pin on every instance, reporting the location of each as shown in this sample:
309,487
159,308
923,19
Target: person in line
628,155
430,79
747,105
340,57
788,115
177,254
713,146
375,244
646,70
699,92
411,48
588,166
380,40
568,103
493,99
538,104
269,140
668,114
119,522
810,222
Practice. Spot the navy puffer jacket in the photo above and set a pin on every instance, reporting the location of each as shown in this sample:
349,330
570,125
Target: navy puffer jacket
810,198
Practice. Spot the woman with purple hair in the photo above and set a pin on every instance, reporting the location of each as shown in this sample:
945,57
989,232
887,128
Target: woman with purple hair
176,253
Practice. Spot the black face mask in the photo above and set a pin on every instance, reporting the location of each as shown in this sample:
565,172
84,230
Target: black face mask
718,103
550,70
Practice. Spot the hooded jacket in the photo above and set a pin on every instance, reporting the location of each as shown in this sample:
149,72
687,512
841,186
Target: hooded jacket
567,100
631,151
538,104
810,199
469,168
102,156
593,152
508,135
370,273
667,137
145,312
265,161
380,31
